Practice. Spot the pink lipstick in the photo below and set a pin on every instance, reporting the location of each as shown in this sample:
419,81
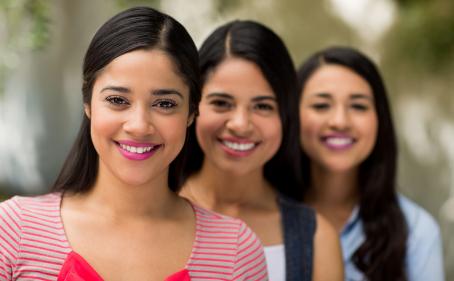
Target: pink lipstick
338,141
136,150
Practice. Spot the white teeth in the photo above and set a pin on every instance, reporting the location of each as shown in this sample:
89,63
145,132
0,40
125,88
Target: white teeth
138,150
339,141
239,146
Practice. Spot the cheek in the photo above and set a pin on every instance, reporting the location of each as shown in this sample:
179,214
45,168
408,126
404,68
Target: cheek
273,132
370,129
207,126
309,128
103,125
178,125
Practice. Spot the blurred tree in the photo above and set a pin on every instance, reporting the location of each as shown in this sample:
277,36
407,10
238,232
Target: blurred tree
423,37
24,24
124,4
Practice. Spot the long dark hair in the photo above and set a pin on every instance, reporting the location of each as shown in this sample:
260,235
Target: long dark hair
382,255
258,44
133,29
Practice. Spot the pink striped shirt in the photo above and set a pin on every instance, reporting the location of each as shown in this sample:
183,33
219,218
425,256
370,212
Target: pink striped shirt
33,243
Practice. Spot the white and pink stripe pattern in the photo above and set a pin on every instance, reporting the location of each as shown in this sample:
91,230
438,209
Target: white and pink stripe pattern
33,244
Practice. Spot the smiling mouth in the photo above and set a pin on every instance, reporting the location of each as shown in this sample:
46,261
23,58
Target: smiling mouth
138,150
338,142
241,147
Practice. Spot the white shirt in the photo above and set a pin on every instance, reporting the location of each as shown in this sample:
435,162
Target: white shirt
275,261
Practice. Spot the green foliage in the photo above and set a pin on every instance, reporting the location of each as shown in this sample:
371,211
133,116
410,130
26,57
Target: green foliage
26,26
27,22
124,4
424,34
38,11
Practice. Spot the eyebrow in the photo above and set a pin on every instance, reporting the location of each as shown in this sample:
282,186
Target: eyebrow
323,95
122,90
158,92
227,96
361,96
264,98
354,96
219,95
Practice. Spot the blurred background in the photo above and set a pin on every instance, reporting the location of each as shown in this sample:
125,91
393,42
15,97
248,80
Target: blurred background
42,44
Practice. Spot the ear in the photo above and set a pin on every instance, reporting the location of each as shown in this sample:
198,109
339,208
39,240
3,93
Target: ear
87,110
191,119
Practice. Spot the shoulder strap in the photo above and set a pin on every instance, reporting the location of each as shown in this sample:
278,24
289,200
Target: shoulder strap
299,225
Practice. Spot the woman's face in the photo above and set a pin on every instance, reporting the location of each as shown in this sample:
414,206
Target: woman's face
338,118
139,114
239,127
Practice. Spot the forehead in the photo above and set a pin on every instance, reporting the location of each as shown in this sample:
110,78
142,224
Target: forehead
149,68
336,80
239,78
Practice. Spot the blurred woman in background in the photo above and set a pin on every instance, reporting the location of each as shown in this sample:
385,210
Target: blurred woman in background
349,154
245,162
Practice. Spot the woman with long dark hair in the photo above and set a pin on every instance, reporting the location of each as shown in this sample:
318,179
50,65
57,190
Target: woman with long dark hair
244,163
349,154
115,213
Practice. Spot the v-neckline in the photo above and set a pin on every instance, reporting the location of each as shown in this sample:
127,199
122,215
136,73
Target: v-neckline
86,265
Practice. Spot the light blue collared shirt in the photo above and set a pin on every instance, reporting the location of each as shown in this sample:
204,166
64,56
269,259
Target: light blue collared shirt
424,259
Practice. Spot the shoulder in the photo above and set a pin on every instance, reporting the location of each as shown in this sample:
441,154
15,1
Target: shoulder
237,242
19,210
420,223
208,219
11,218
424,244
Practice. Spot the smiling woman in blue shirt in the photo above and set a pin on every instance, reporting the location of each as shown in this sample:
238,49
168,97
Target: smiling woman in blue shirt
349,149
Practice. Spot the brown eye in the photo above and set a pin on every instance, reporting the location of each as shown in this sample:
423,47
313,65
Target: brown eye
320,106
165,104
264,107
117,100
221,104
360,107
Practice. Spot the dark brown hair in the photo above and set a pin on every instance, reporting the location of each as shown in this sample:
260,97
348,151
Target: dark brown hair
133,29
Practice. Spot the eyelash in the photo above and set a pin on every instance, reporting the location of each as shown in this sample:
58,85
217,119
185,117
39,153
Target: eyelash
325,106
117,100
320,106
264,107
165,104
221,104
360,107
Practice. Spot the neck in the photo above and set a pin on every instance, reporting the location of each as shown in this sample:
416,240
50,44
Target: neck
229,193
333,194
114,198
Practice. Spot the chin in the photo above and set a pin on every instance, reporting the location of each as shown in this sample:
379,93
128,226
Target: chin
340,168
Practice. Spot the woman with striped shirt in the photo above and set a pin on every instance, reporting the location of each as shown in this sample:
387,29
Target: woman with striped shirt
114,213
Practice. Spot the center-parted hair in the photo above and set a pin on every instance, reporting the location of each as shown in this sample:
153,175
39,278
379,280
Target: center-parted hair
139,28
382,254
259,45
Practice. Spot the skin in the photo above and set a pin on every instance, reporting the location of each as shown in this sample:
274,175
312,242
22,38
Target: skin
130,209
338,132
233,109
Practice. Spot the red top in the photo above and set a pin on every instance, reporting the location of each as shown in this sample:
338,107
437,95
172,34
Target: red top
76,268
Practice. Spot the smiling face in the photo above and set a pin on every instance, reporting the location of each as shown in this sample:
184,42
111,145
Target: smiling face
139,115
338,118
239,127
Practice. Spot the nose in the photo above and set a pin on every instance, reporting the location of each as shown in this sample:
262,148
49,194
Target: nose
138,122
339,118
239,122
